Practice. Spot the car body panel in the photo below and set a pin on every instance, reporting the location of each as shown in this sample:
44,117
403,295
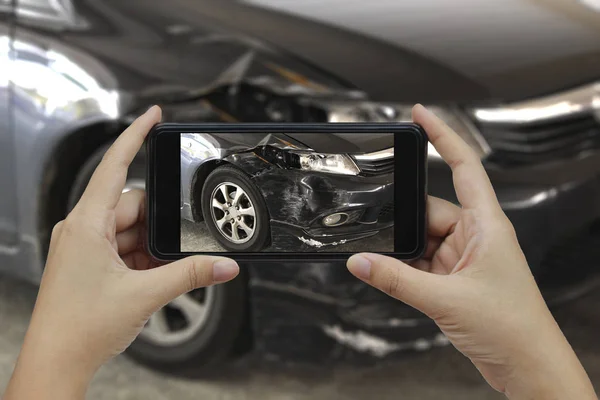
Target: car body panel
52,98
8,199
509,50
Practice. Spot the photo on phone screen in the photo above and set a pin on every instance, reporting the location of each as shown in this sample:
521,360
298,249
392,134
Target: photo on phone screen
292,192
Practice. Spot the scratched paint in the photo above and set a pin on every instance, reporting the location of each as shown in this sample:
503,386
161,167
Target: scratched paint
317,244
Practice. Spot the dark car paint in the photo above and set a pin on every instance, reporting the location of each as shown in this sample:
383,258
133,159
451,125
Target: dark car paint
215,61
297,210
296,200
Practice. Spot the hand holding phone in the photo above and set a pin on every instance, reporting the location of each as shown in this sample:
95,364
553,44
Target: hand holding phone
474,282
99,286
317,191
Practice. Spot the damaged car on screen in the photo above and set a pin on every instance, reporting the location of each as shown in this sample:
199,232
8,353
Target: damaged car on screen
288,192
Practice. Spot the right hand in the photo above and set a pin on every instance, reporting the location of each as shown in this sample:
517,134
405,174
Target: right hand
474,282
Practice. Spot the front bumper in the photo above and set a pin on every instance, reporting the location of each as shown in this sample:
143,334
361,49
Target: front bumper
298,201
318,313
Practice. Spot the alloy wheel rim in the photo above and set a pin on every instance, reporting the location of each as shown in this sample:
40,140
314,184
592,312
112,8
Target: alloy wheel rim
233,212
182,318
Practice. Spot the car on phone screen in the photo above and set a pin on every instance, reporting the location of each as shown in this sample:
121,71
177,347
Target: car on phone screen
522,89
288,192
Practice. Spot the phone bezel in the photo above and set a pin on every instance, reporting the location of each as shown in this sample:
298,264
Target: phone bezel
170,164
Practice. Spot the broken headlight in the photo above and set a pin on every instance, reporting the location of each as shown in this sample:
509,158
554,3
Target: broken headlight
328,163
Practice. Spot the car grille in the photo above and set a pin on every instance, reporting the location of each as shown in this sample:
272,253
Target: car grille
386,214
541,141
375,167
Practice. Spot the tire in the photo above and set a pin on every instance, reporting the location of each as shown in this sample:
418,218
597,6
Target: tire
234,180
223,329
136,177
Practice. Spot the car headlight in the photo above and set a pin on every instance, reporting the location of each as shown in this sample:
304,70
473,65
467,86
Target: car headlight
198,146
328,163
456,119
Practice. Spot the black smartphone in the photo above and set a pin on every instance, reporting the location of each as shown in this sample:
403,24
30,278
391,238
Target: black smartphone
281,191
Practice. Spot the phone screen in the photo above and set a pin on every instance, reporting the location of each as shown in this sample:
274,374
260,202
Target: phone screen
285,191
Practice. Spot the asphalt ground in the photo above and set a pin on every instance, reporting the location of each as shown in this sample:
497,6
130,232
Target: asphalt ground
196,237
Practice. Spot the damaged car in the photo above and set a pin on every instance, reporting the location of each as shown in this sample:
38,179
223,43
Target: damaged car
288,192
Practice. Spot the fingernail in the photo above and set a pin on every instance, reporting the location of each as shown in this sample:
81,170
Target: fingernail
425,109
360,267
224,270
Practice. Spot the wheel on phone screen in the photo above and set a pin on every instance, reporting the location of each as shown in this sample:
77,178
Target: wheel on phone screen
235,211
198,329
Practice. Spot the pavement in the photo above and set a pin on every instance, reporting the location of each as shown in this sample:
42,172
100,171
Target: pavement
196,237
441,373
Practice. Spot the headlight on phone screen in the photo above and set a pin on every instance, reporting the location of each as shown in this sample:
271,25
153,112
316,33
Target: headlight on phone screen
328,163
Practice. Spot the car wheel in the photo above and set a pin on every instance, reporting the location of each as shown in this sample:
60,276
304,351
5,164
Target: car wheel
198,328
234,210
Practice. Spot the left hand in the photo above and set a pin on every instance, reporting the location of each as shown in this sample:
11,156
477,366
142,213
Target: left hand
99,286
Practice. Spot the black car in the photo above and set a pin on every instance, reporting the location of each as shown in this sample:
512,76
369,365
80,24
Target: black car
289,192
518,80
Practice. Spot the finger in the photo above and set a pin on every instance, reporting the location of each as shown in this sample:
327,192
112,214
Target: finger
419,289
108,180
442,216
130,209
130,239
472,185
172,280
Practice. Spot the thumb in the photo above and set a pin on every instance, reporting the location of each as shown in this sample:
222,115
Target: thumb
422,290
172,280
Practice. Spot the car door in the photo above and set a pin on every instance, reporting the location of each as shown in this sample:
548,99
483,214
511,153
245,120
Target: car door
8,200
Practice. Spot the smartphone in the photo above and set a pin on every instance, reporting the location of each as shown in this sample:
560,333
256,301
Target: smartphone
286,191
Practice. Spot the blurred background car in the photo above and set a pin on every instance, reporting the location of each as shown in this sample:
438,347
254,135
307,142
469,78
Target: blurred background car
518,80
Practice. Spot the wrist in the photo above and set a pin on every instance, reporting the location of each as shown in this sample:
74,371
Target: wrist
43,380
47,369
549,369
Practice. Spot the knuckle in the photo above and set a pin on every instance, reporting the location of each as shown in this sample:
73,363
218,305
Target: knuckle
455,162
393,285
69,225
112,159
503,224
509,228
57,228
77,222
470,158
193,279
